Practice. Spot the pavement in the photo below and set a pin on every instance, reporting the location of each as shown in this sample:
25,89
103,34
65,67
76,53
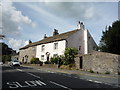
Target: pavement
108,79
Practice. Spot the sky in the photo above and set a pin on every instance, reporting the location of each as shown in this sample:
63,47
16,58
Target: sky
24,21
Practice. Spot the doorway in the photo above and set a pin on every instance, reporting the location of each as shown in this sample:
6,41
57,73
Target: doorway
81,62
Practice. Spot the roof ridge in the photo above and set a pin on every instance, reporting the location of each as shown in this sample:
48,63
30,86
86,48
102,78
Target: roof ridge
58,37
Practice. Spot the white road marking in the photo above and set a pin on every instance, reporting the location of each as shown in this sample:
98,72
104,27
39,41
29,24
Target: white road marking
94,81
33,75
32,83
19,69
97,82
75,77
90,80
60,85
51,82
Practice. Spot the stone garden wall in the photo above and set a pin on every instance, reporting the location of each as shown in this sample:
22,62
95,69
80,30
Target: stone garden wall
99,62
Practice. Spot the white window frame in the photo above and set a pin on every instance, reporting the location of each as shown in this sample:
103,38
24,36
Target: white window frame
55,46
42,57
42,48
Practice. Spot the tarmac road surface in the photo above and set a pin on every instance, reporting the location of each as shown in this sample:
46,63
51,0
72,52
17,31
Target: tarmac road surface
26,77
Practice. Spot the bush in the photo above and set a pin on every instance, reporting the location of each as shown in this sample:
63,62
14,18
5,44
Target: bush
56,60
6,58
91,71
107,72
34,61
47,62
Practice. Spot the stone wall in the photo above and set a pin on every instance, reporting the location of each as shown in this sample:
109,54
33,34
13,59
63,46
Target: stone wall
99,62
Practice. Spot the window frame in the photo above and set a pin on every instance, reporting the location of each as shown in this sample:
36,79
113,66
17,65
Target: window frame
55,46
42,57
42,48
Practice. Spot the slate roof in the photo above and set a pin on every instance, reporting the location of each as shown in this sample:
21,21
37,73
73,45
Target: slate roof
54,38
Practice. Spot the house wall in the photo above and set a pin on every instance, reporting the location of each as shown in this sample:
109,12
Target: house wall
30,52
100,62
76,40
82,39
91,43
49,47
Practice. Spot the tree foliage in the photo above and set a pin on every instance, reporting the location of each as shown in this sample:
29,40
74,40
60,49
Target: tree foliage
67,58
110,40
6,52
70,55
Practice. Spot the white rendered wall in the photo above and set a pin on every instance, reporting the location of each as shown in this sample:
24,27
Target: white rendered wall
49,47
85,42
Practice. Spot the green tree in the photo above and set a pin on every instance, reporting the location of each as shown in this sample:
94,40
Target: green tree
6,58
70,55
6,52
110,40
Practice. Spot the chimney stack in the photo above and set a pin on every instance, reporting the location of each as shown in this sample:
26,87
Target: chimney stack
45,36
30,41
55,32
80,25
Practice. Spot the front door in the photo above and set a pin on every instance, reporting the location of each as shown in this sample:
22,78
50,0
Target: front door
81,62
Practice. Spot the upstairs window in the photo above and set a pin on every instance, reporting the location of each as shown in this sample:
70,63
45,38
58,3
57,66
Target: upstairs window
43,48
55,46
33,48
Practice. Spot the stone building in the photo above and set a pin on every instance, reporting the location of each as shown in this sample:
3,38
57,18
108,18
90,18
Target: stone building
54,45
99,62
26,53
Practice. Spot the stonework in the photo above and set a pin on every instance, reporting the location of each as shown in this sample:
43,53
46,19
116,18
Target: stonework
100,62
25,55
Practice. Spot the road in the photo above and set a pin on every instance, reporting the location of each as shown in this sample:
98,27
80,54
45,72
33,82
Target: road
27,77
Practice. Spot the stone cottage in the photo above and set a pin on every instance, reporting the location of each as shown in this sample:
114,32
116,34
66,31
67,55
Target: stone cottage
48,47
27,52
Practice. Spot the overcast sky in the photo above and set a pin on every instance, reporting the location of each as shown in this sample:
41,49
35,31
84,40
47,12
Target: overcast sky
23,21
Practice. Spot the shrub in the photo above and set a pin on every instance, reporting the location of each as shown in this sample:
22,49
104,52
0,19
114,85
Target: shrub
47,62
54,60
34,61
91,71
107,72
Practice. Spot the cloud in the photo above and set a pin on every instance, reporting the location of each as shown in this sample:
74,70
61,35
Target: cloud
75,10
16,43
12,20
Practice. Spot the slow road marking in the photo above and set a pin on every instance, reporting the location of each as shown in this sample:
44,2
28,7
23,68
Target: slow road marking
26,84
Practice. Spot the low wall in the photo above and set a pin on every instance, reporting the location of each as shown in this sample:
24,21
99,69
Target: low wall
99,62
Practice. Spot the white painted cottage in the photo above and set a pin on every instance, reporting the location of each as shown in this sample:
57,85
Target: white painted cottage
55,45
